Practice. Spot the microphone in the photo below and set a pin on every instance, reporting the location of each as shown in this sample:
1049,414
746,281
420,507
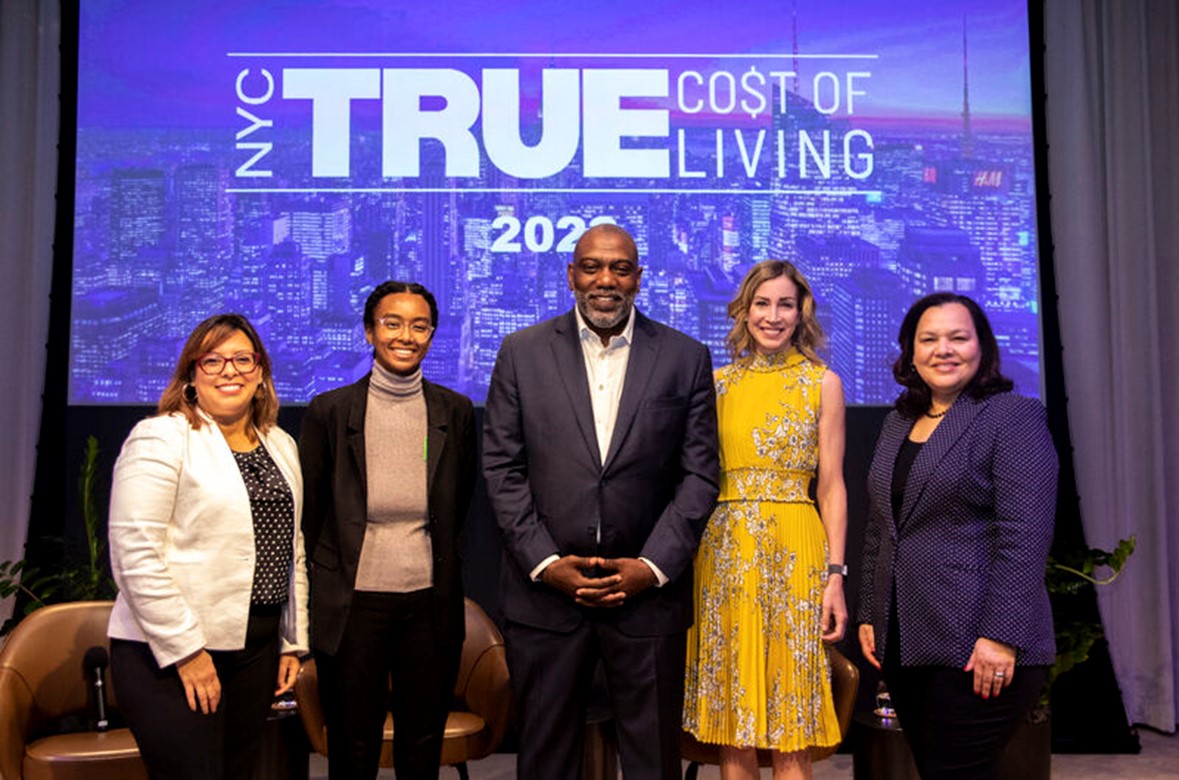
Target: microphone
95,661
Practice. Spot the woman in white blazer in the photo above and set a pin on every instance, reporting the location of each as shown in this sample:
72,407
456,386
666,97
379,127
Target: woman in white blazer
211,615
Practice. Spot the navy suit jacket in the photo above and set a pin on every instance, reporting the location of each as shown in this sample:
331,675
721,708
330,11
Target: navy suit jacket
550,488
335,514
967,556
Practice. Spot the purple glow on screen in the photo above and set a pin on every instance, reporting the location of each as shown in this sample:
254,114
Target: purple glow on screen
282,158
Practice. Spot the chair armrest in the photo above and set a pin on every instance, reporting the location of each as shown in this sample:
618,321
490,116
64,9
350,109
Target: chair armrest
845,684
311,707
488,693
16,709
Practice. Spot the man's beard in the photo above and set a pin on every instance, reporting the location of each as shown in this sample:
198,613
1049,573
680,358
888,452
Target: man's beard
600,319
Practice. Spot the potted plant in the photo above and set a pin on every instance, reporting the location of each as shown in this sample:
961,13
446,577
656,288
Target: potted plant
76,576
1072,574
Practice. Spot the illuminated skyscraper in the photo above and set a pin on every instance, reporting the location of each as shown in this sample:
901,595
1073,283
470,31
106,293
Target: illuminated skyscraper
252,239
713,292
288,294
939,259
108,325
202,213
137,213
827,261
322,229
865,313
202,241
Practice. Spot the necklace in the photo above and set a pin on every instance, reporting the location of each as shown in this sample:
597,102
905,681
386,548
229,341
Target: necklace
933,416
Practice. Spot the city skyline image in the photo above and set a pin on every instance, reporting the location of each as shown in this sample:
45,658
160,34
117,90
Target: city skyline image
284,168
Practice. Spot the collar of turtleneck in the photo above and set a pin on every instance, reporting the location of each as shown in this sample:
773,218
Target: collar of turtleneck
396,386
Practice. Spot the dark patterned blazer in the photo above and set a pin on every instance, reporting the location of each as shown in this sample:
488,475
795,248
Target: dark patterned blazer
966,558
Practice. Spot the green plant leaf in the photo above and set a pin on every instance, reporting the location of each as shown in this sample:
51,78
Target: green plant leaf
1071,574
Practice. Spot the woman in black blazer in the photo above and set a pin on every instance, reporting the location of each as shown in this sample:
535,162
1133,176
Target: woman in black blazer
388,472
962,499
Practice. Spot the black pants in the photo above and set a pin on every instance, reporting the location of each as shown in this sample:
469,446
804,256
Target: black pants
551,677
179,744
954,734
387,634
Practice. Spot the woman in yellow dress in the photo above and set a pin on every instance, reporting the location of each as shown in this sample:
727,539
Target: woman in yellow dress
769,572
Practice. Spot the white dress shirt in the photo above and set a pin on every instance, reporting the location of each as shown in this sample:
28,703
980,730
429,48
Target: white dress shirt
605,370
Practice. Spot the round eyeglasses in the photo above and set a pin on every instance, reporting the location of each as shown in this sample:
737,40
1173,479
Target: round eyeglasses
213,364
419,330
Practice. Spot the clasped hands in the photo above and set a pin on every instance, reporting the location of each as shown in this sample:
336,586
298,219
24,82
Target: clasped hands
598,582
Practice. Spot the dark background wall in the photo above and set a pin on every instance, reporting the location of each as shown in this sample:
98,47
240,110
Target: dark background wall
111,424
1077,698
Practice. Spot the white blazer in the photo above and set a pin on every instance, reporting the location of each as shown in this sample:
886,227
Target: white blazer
182,540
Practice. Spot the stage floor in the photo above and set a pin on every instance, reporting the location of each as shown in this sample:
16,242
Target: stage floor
1159,759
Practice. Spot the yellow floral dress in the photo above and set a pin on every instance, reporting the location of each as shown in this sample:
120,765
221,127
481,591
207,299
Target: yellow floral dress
757,674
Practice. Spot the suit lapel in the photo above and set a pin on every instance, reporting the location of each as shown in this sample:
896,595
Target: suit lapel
892,435
570,361
952,426
639,367
357,404
435,432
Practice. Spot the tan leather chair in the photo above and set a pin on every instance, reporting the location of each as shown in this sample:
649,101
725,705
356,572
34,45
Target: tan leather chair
478,717
42,681
845,683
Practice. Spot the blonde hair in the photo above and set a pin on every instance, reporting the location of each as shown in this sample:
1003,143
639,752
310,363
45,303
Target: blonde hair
208,336
808,337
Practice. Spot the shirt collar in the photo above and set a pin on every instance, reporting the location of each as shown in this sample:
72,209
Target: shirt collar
622,339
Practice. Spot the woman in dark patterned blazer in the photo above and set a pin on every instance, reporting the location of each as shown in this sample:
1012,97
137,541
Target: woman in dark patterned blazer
962,496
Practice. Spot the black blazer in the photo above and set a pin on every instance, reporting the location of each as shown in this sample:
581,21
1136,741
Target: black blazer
550,489
335,505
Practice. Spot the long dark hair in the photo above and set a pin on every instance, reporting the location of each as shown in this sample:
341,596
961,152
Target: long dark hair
207,336
987,381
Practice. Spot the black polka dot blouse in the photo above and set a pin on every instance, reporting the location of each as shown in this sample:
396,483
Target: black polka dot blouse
273,508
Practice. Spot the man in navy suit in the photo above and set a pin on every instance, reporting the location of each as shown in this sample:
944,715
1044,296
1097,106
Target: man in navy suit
600,453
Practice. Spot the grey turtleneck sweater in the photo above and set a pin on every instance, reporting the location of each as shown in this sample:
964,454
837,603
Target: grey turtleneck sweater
396,556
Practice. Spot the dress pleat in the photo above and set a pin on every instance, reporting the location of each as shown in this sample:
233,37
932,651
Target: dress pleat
758,675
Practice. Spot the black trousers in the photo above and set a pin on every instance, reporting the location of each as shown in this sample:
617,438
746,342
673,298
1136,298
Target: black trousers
387,634
551,677
179,744
954,734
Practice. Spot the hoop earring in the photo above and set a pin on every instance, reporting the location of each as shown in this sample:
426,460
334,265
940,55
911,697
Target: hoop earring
190,393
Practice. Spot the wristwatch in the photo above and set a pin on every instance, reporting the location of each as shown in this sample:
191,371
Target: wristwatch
837,568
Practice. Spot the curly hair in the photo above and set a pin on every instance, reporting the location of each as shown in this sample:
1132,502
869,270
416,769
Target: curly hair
915,398
808,335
